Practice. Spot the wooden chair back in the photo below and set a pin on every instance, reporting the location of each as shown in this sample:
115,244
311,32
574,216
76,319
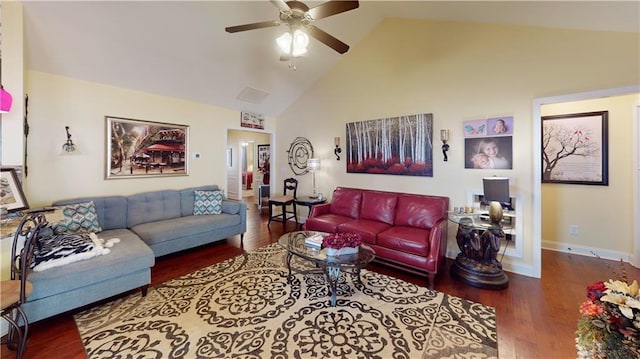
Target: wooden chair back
290,187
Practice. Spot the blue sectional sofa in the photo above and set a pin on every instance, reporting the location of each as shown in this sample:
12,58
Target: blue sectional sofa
149,225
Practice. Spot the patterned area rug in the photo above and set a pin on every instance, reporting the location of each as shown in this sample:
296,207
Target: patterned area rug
245,308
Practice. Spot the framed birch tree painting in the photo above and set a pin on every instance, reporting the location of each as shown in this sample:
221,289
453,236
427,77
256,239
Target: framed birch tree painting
394,146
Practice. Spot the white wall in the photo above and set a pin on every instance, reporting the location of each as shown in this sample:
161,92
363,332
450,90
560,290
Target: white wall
458,72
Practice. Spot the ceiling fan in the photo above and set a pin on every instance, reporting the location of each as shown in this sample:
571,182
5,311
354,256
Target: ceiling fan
299,18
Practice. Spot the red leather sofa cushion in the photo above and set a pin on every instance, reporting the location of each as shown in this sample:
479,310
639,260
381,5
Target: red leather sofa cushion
326,223
367,229
379,206
346,202
420,211
406,239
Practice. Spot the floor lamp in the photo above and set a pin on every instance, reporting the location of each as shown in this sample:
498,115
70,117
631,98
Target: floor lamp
313,164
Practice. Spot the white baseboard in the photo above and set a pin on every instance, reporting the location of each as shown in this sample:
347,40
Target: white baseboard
516,268
521,269
587,251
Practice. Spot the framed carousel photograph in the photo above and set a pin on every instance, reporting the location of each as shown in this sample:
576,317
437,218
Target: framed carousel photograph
137,148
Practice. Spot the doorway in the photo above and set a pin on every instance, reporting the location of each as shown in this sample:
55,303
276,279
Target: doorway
247,168
244,176
537,167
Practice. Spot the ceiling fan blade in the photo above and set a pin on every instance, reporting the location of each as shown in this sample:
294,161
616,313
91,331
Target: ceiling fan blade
328,40
255,25
331,8
281,5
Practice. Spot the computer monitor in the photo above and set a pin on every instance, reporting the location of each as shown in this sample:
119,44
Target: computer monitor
497,189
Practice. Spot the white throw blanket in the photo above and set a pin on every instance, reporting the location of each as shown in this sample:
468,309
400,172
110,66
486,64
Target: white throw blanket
61,249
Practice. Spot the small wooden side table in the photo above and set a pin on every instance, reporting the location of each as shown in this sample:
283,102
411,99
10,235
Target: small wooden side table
309,202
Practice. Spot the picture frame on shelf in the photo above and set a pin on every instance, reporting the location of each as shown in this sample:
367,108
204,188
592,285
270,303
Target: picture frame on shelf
137,148
252,120
575,148
12,197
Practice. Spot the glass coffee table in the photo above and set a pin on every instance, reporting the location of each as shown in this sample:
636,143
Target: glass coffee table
331,266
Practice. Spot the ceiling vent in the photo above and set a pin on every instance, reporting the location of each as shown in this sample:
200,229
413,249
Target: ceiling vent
252,95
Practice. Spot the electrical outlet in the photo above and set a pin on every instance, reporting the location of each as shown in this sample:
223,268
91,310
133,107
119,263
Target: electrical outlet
573,229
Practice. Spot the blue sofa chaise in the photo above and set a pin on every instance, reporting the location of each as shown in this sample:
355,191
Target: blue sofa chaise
149,225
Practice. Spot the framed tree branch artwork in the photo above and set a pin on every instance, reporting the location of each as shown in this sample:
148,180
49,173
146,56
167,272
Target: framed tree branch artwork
575,148
137,148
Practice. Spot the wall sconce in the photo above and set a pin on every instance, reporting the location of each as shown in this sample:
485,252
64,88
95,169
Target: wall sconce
444,136
68,147
5,100
313,164
337,151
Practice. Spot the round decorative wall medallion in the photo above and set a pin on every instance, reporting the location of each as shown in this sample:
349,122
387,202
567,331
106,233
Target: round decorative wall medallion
300,152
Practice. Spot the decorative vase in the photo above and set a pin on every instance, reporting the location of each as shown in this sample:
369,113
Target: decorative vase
495,212
342,251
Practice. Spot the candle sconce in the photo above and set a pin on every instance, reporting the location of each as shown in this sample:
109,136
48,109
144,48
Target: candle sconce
444,136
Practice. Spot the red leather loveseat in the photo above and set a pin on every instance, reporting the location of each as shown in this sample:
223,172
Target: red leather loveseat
407,231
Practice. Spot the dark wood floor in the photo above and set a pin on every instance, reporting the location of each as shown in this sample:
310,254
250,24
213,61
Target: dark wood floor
536,317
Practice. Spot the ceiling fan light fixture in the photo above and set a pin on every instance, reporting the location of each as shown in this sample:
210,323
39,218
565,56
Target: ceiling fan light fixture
295,45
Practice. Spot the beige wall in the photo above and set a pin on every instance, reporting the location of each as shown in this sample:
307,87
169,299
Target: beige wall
603,214
13,81
57,101
457,71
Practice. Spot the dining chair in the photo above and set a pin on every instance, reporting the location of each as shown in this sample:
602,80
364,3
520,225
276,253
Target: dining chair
287,199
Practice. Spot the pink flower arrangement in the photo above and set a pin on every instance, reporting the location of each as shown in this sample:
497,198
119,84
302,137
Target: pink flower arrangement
341,240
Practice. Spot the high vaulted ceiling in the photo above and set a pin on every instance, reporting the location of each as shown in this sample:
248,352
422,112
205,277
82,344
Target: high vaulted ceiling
180,48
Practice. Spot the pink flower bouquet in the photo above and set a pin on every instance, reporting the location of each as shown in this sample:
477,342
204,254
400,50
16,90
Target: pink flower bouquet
341,240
